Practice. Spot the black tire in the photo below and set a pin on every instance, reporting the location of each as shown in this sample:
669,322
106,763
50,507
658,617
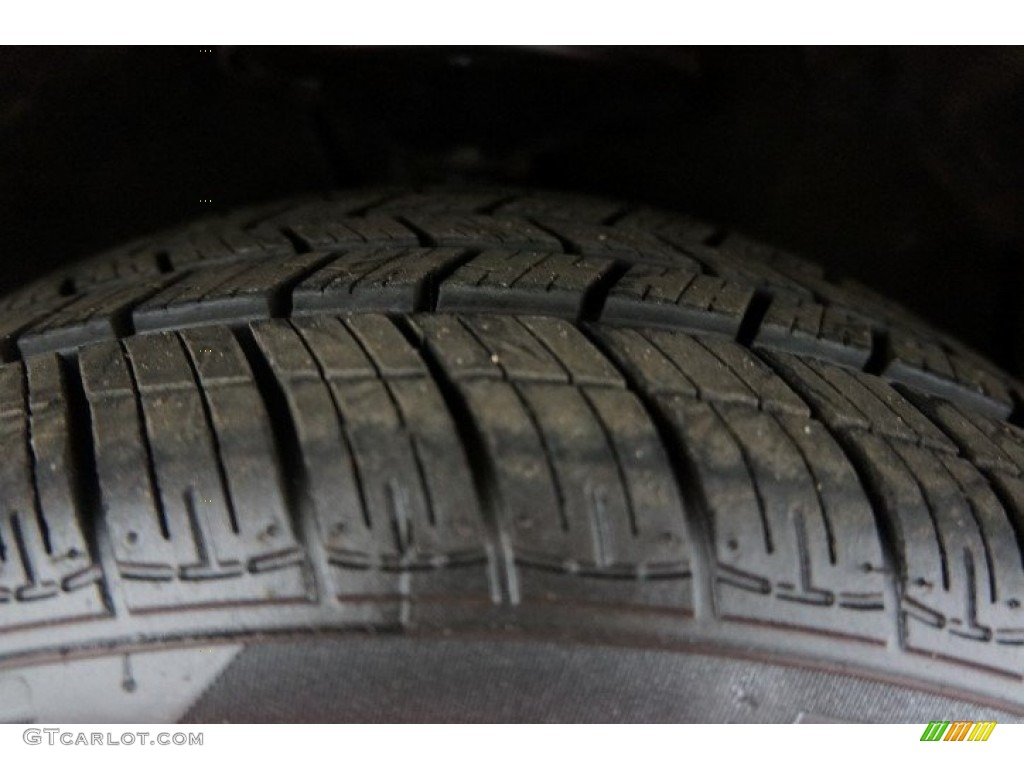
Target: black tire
497,418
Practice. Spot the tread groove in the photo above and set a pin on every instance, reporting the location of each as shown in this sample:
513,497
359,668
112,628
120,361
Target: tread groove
634,528
429,293
424,237
401,521
769,542
685,478
280,299
933,517
82,448
158,502
164,265
204,401
297,241
1007,503
881,352
595,297
982,535
357,472
22,547
287,447
503,571
566,243
884,525
750,324
556,482
37,507
830,534
1009,507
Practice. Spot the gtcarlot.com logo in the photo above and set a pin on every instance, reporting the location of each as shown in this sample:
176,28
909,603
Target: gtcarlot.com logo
56,736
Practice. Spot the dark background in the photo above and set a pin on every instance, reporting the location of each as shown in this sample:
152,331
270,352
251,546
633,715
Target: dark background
901,168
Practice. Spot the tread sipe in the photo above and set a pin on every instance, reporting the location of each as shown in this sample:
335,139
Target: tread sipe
506,413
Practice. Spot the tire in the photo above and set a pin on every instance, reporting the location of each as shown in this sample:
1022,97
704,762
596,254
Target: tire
455,437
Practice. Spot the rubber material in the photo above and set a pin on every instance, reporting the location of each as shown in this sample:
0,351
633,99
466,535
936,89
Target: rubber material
531,413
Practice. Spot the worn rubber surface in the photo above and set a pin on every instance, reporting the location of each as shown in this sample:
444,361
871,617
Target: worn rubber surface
504,414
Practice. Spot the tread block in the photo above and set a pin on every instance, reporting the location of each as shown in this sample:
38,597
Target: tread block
682,230
446,201
33,296
780,262
325,225
215,243
776,513
228,293
520,357
991,444
807,327
565,501
583,363
491,346
129,261
497,281
390,485
188,473
1010,556
459,351
583,481
379,279
472,231
673,297
850,400
18,319
515,348
614,243
701,367
957,375
385,346
851,294
92,317
47,570
551,205
959,568
338,353
752,272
